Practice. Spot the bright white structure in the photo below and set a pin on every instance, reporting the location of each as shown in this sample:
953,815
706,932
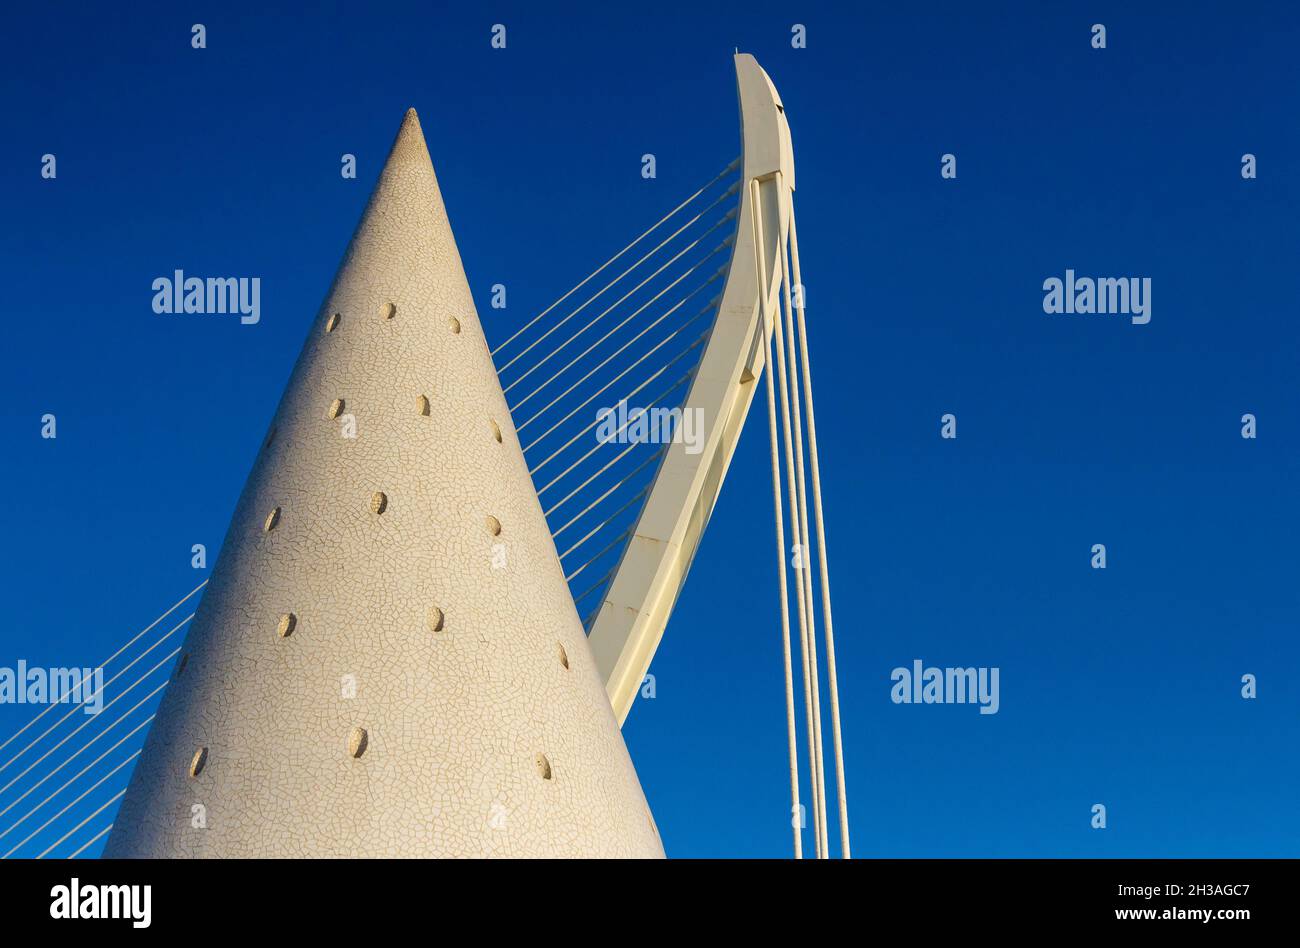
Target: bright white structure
763,281
387,661
640,598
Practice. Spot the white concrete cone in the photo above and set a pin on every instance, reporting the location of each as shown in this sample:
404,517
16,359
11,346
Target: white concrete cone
387,661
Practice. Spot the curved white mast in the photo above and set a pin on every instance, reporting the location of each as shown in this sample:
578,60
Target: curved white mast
762,282
640,597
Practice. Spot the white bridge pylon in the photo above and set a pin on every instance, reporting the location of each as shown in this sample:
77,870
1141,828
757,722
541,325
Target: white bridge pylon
763,274
634,612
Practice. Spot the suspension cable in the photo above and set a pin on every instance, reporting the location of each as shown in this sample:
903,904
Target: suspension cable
600,444
796,820
811,692
607,521
710,305
102,688
717,275
664,368
591,589
34,833
662,267
609,546
68,760
586,510
78,776
111,800
789,372
103,664
822,555
90,842
722,174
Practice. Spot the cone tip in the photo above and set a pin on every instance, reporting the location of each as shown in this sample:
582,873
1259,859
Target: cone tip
409,135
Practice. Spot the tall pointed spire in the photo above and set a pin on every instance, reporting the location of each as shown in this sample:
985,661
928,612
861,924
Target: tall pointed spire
387,660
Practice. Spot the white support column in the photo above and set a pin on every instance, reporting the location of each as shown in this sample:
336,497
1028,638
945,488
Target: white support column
634,612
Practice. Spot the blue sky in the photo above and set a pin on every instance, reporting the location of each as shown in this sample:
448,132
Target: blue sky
1119,687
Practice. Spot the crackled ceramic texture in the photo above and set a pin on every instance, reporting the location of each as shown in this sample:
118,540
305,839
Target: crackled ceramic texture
373,671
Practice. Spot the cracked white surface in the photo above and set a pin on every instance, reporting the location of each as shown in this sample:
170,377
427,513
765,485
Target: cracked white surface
490,736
